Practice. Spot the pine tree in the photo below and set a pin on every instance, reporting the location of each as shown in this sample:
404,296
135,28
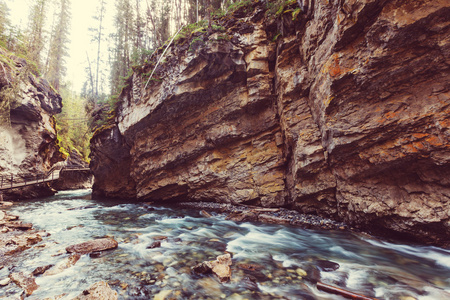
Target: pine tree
58,45
99,40
35,32
4,19
123,38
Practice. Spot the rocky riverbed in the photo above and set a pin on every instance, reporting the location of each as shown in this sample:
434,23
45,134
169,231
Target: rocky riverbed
249,213
205,252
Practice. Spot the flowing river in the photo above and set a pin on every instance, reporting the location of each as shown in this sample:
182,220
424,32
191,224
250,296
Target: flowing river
269,261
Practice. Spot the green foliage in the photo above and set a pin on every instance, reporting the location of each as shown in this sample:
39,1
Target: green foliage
238,5
195,43
295,13
278,7
72,124
275,38
190,30
58,45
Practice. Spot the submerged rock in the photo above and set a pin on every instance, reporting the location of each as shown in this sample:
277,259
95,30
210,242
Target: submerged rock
63,265
16,236
326,265
220,267
5,281
25,281
94,245
41,270
99,290
155,244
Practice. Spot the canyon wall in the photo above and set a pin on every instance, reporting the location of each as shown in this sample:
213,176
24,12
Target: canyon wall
341,111
28,137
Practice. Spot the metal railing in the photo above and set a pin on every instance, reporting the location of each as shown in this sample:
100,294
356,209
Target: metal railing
16,181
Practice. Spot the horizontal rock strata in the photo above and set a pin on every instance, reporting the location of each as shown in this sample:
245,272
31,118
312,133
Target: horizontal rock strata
341,112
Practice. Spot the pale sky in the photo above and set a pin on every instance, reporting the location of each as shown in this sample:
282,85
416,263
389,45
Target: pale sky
82,12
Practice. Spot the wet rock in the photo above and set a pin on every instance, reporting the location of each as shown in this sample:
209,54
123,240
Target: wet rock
313,274
220,267
159,237
14,241
253,271
266,218
63,265
82,207
155,244
162,295
99,290
300,272
11,217
205,214
41,270
96,254
248,216
5,281
26,282
249,283
326,265
210,286
250,267
94,245
20,225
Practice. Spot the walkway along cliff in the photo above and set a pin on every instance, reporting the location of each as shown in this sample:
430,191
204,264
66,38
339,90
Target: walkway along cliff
340,111
29,148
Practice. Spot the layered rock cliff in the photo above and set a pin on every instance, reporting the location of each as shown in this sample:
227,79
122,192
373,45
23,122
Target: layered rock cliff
28,138
341,111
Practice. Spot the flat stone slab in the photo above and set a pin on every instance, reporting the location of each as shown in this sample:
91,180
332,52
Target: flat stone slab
99,290
92,246
25,281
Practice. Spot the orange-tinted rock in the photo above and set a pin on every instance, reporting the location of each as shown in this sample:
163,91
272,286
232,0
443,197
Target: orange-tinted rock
219,267
99,290
26,282
345,116
94,245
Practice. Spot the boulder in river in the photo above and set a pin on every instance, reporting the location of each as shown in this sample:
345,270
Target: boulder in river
25,281
220,267
326,265
63,265
94,245
41,270
99,290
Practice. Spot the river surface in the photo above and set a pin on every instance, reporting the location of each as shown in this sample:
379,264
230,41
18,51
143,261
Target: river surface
278,256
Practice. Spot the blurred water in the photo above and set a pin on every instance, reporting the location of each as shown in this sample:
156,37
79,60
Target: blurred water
368,266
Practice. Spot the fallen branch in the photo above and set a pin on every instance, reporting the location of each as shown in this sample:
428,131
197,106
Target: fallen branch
161,57
338,291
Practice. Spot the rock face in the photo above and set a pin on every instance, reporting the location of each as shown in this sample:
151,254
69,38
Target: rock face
342,111
28,144
71,177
